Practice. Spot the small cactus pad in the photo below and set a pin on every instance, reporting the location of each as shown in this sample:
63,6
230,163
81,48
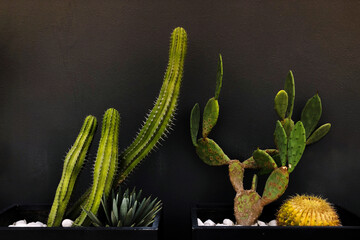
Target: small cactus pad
281,103
319,133
264,161
290,90
236,173
194,123
311,114
219,77
281,142
247,207
211,153
288,125
210,117
296,145
275,185
303,210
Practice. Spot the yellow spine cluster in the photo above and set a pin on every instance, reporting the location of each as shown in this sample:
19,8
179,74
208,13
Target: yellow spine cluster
304,210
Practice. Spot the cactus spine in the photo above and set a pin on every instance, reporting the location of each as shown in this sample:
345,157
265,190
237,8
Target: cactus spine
304,210
105,164
157,123
72,166
290,140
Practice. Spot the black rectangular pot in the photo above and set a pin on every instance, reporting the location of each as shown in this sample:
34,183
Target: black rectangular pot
40,212
218,212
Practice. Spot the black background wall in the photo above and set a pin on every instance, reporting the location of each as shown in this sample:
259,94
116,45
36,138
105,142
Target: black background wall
63,60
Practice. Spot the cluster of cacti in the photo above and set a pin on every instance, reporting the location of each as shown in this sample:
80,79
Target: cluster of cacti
290,141
304,210
110,170
126,209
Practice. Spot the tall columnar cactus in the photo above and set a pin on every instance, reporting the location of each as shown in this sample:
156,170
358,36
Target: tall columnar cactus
290,140
156,126
105,165
72,166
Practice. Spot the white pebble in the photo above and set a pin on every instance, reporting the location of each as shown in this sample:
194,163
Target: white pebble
209,223
199,222
261,223
220,224
255,224
20,222
67,223
228,222
34,224
272,223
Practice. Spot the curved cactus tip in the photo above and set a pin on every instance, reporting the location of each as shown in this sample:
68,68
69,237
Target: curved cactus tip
289,87
210,116
311,114
318,134
281,103
219,76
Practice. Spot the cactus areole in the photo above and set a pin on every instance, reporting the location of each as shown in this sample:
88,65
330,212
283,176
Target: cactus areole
290,141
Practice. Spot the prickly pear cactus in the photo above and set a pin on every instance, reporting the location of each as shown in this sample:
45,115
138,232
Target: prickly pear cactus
290,140
304,210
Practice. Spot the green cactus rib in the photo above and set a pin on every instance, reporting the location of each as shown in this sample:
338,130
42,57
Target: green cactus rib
105,165
281,103
318,133
72,166
160,117
296,145
281,142
311,114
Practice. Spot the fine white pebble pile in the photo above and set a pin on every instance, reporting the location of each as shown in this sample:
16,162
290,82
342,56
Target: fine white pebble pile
24,223
228,222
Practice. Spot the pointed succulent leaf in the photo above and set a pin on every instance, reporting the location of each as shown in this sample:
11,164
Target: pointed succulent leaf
296,145
194,123
219,77
275,185
211,153
318,133
311,114
281,103
95,221
281,142
290,90
210,116
264,161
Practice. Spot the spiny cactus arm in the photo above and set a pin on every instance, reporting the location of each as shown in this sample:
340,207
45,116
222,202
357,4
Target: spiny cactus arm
281,142
211,153
281,103
72,166
219,77
290,90
275,185
160,117
296,145
311,114
236,174
105,165
194,123
318,133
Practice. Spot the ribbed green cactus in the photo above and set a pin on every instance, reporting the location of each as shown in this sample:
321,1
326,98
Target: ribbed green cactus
290,140
72,166
158,121
105,165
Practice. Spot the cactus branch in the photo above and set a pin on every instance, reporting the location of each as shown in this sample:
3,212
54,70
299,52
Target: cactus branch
72,167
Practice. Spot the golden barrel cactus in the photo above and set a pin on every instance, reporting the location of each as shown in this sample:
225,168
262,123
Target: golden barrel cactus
304,210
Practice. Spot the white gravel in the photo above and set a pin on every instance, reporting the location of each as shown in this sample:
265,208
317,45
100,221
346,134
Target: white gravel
228,222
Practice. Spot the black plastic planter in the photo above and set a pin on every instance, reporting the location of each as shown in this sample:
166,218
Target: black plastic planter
40,213
350,228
